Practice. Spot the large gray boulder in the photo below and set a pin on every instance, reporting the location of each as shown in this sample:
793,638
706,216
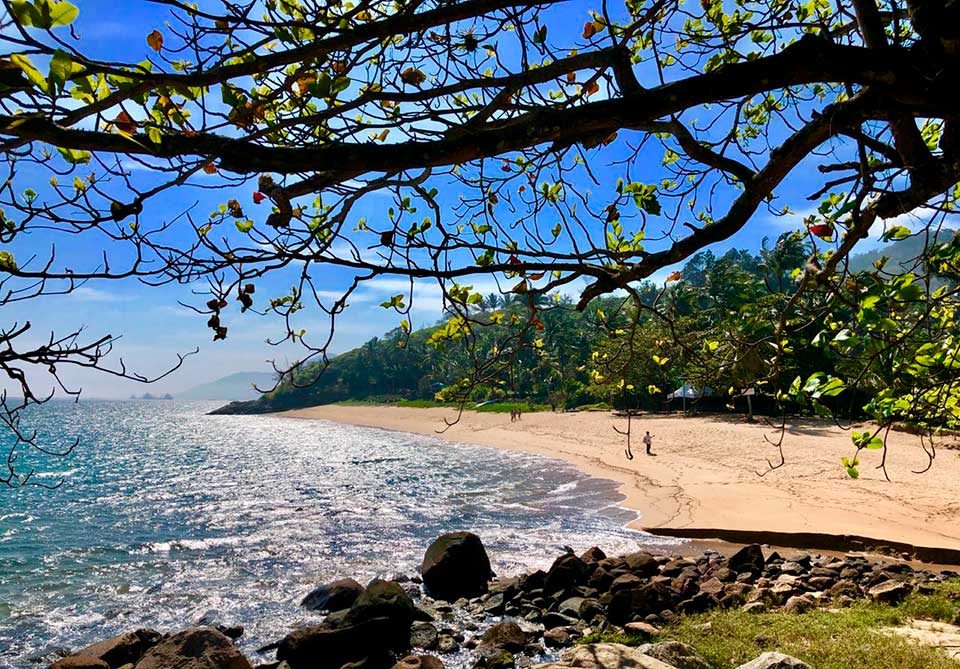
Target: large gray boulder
775,661
333,596
605,656
195,648
456,565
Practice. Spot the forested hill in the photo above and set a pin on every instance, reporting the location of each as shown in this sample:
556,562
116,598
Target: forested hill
611,353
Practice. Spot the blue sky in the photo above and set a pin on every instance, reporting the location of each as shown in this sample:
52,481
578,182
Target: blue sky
155,328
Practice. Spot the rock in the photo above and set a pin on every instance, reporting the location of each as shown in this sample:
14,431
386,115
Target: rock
571,606
447,644
567,571
80,662
194,648
558,637
626,582
120,650
554,619
605,656
456,565
642,564
641,629
676,654
890,592
383,599
424,635
749,558
592,555
507,635
325,648
497,659
799,604
775,661
754,607
625,605
333,596
419,662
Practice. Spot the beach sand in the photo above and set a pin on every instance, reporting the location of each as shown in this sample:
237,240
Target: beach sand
705,473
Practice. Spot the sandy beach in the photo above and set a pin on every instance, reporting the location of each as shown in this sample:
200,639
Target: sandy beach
705,473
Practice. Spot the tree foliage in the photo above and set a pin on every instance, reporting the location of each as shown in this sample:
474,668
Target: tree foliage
560,145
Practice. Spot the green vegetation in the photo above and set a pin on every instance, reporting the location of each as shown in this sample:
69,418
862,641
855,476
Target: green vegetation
826,639
883,344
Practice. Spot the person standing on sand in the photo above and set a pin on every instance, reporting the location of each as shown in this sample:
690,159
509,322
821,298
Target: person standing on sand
648,442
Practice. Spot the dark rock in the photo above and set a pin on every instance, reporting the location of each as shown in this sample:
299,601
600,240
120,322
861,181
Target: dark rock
567,571
627,604
554,619
424,635
195,648
699,603
642,564
447,644
592,555
124,649
419,662
325,648
383,599
506,635
456,565
749,558
626,582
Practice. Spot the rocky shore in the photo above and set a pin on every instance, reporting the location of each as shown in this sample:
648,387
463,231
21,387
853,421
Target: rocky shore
456,612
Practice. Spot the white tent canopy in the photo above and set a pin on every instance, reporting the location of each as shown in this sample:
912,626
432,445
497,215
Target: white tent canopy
686,391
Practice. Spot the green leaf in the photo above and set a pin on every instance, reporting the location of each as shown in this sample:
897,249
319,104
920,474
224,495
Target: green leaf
896,233
61,68
244,225
44,14
74,157
33,74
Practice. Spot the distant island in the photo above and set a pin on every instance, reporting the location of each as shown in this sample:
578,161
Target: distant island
151,396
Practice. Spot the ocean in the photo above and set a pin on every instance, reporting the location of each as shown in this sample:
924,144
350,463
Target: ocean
167,515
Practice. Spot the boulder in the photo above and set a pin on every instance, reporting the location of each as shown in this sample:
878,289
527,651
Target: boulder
775,661
749,558
80,662
127,648
625,605
419,662
641,629
890,592
330,648
333,596
383,599
194,648
676,654
506,635
642,564
567,571
456,565
605,656
592,555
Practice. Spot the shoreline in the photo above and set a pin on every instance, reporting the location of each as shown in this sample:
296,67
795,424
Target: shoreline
704,485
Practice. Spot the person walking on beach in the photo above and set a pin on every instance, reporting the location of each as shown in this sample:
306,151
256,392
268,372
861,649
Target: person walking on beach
648,442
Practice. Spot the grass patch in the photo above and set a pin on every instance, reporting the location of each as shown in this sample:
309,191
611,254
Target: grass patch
838,639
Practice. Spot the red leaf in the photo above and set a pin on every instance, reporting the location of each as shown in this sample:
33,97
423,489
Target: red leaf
210,168
258,197
125,123
675,276
822,230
